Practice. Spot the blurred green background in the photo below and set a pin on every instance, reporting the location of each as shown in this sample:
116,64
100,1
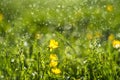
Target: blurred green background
64,16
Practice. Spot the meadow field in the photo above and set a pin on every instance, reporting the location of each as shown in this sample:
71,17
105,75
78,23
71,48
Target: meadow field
59,40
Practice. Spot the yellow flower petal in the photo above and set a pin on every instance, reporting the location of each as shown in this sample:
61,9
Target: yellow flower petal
116,43
56,71
53,44
53,63
109,8
89,36
111,37
53,57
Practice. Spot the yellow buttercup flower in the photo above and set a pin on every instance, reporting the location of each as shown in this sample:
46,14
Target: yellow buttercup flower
109,8
116,43
53,44
1,17
111,37
89,36
98,34
56,70
53,57
38,36
53,63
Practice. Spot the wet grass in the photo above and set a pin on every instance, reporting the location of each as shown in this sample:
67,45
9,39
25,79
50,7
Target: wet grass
59,40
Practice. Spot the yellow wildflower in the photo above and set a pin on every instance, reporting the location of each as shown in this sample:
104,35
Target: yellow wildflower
56,71
98,34
53,63
53,44
53,57
1,17
38,36
116,43
109,8
89,36
111,37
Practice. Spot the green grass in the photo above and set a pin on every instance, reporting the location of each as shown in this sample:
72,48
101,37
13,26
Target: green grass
81,29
